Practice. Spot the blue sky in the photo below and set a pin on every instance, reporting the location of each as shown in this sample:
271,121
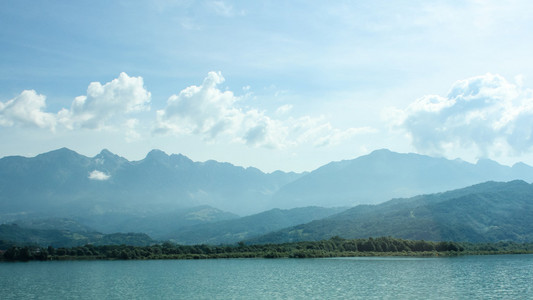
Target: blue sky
287,85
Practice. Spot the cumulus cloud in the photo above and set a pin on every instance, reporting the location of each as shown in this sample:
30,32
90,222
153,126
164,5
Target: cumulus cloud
204,110
210,112
26,109
122,95
200,109
98,175
104,105
487,114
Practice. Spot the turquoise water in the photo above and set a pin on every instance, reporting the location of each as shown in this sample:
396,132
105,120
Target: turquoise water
468,277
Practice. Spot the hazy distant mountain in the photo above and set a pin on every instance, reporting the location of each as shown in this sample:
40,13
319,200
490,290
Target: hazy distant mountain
61,224
486,212
162,193
233,231
64,183
383,175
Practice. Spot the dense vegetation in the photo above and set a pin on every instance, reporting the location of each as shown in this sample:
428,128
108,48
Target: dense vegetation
487,212
334,247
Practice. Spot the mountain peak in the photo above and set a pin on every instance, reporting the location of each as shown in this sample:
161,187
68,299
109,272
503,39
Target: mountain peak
388,154
381,151
59,153
106,152
63,150
521,165
156,154
105,157
485,162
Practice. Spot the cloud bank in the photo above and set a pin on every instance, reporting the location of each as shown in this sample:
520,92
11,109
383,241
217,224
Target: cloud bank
485,114
207,111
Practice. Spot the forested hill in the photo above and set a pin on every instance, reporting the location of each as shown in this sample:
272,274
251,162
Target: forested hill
487,212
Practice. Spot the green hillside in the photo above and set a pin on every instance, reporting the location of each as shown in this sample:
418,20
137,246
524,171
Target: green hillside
233,231
487,212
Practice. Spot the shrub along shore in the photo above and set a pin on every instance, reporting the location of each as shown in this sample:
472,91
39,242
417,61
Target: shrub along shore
334,247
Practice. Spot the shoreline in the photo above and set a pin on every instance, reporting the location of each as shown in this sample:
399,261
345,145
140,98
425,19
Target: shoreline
288,256
334,247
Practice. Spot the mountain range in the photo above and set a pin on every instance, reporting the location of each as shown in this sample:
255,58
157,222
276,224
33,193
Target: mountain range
63,182
383,175
173,197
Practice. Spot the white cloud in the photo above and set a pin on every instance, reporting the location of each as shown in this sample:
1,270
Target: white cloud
122,95
209,112
204,110
201,110
104,106
98,175
486,114
26,109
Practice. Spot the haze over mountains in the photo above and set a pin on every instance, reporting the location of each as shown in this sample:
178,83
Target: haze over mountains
64,182
383,175
165,196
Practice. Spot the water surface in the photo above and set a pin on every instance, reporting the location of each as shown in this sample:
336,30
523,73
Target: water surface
468,277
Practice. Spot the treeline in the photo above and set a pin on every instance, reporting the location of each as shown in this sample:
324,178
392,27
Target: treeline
502,247
334,247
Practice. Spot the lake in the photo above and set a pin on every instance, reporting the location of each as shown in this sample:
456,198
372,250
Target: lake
465,277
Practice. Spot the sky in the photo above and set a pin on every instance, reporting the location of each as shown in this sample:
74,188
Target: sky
277,85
